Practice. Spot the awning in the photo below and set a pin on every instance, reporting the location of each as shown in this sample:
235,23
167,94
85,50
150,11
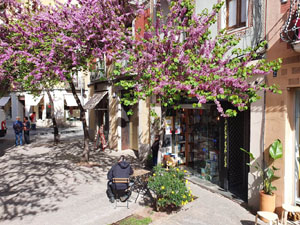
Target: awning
32,100
94,100
70,100
3,101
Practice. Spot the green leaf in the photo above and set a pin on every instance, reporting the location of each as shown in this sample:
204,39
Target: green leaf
130,112
270,173
273,188
276,149
249,153
274,168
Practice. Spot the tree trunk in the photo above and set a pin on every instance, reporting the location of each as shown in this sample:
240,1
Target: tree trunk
86,150
55,128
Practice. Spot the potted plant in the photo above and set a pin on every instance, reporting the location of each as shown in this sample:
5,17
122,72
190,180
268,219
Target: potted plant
267,196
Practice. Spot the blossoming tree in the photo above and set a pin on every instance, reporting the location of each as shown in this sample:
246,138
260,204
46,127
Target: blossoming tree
44,42
178,58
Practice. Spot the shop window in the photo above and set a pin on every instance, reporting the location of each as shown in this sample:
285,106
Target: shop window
236,13
192,137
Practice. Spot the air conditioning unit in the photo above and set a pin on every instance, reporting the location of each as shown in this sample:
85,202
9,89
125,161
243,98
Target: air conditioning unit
283,1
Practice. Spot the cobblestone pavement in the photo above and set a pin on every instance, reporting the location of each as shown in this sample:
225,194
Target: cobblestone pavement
42,184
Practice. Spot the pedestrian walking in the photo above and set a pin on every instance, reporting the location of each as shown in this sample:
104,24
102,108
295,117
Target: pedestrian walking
155,148
26,130
33,120
18,128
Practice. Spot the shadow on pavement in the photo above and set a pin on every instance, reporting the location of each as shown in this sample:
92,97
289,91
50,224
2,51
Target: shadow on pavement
5,144
34,178
247,222
2,152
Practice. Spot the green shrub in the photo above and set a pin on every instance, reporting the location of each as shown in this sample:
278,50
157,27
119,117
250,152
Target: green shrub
170,188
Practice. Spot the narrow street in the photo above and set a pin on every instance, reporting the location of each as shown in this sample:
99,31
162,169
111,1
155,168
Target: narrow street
42,184
207,93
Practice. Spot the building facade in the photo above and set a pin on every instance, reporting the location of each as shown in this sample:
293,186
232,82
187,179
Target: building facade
105,108
246,20
282,111
66,110
204,141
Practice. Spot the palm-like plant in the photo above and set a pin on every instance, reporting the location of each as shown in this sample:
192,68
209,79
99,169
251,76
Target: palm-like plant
268,174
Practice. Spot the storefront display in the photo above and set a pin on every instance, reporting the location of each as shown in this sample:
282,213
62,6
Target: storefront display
195,139
209,145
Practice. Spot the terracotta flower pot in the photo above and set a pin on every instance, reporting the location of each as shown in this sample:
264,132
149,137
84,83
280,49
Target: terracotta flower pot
266,203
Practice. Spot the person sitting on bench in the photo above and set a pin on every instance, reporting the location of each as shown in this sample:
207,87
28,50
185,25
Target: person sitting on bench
121,169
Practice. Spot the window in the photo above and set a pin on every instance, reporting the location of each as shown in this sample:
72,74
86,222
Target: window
98,72
236,13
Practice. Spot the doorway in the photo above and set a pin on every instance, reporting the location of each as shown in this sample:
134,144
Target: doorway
238,137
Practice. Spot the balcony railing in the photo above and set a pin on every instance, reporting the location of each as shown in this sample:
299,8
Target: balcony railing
291,29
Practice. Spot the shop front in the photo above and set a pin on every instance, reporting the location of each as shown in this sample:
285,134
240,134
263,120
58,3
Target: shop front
193,135
210,145
99,104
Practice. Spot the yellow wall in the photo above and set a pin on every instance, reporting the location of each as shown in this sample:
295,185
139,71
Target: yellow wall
134,125
113,137
144,128
92,119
